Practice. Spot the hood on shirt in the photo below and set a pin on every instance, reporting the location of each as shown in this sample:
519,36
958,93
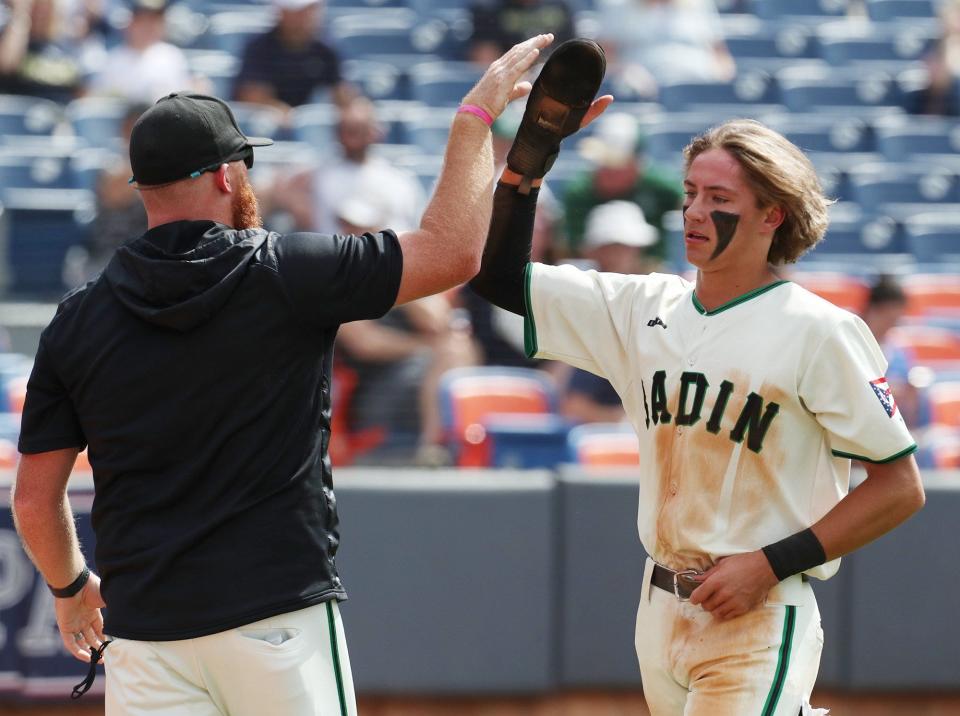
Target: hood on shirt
180,274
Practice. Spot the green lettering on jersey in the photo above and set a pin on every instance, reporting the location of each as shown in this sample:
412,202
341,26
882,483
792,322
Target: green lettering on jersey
692,415
713,424
752,423
658,399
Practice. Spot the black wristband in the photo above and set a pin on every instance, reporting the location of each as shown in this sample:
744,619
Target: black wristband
797,553
75,586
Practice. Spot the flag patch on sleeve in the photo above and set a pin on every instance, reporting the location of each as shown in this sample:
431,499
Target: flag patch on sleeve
885,395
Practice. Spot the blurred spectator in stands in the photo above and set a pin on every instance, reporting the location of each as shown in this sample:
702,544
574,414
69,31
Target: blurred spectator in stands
500,24
398,359
313,198
288,65
886,306
144,67
943,65
120,213
649,42
617,237
37,56
619,172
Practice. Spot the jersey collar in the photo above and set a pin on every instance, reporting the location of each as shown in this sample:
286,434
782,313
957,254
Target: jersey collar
733,302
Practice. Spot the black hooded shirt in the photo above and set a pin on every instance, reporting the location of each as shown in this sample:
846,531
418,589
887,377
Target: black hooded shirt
196,369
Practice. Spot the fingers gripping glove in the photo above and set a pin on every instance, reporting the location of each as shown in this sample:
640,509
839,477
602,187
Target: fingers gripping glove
560,97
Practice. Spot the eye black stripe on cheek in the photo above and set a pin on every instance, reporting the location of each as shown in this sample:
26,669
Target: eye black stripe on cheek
726,224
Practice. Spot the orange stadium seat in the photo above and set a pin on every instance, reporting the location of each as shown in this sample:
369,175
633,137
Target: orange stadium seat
847,292
940,448
604,445
8,454
17,393
932,295
929,345
469,395
944,403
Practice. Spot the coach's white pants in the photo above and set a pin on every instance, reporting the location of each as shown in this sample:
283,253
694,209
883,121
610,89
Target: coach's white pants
293,664
763,663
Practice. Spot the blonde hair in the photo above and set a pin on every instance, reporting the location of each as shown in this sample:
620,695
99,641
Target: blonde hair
780,175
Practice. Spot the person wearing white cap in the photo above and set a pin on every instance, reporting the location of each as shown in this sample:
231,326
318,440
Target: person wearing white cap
618,172
617,234
286,66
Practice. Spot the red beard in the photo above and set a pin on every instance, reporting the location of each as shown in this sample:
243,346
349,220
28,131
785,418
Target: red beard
246,212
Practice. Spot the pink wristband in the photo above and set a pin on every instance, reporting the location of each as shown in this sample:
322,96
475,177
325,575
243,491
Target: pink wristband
477,112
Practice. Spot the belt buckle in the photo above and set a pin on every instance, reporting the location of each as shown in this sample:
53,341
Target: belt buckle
685,575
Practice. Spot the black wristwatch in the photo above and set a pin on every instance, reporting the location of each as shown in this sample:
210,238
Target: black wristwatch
75,586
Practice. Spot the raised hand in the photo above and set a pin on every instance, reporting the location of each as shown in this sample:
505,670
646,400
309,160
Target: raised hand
501,83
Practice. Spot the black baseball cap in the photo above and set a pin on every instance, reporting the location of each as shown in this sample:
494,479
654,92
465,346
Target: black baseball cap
184,135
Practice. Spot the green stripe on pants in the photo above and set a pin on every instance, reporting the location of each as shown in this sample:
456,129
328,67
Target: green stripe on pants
335,653
783,661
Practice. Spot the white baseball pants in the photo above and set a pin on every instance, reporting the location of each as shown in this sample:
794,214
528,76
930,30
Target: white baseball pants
293,664
763,663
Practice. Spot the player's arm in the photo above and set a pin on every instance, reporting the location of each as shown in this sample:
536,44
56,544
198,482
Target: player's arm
891,493
445,250
44,520
573,78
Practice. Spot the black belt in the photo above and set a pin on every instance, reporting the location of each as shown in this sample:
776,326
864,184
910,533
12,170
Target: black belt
680,584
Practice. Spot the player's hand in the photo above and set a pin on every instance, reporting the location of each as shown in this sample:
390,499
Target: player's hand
735,585
80,621
501,83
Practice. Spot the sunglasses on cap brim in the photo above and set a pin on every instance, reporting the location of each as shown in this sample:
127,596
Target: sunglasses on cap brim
246,154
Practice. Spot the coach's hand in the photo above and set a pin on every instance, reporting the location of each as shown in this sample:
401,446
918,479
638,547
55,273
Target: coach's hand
80,621
735,585
501,83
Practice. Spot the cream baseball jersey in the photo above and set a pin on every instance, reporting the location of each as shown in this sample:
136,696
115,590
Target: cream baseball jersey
747,415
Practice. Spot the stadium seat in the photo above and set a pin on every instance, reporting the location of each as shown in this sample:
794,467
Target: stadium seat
256,120
933,295
901,138
876,185
26,171
851,43
749,87
928,345
845,91
810,9
746,36
824,133
230,32
24,116
439,84
96,120
847,292
933,237
860,238
9,457
469,395
525,441
604,445
378,80
430,130
892,10
39,225
218,66
943,401
314,124
939,448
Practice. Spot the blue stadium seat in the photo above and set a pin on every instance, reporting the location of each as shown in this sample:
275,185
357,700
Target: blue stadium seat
377,80
437,84
218,66
526,442
824,133
861,239
810,89
810,9
96,120
878,185
396,37
314,124
26,171
749,87
86,165
889,10
869,43
257,120
39,226
902,139
933,237
749,37
21,115
231,31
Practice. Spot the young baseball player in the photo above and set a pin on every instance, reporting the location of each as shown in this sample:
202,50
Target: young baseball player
750,397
